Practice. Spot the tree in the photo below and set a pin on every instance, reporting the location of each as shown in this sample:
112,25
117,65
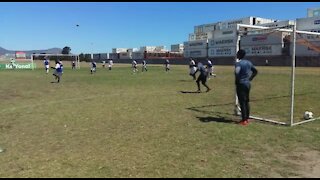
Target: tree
66,50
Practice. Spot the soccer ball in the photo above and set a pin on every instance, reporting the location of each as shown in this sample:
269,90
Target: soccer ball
308,115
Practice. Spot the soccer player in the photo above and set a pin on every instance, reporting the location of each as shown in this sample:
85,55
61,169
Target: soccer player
144,65
73,65
12,62
167,65
202,77
134,66
58,71
93,67
210,68
193,68
46,63
61,65
103,64
110,64
244,73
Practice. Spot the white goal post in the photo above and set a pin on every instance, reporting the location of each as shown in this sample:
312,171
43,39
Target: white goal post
76,57
294,32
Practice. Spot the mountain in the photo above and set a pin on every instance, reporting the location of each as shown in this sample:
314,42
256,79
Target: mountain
47,51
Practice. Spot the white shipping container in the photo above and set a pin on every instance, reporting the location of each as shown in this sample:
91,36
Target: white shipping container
177,48
259,20
308,23
222,52
277,24
233,23
312,12
199,44
196,53
125,55
119,50
307,49
222,42
205,28
231,32
262,50
200,36
261,39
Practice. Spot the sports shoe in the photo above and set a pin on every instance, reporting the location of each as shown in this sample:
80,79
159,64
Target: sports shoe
244,122
208,90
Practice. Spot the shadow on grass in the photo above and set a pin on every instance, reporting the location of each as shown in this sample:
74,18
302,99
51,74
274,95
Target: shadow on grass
216,119
189,92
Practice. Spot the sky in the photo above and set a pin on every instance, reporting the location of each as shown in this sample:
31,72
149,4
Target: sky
107,25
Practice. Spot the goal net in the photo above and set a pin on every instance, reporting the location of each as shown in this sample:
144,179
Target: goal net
286,86
62,57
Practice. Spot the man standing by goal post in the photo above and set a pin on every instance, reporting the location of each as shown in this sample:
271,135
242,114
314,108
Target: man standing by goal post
244,73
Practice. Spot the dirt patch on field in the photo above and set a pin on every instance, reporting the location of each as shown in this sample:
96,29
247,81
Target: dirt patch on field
306,163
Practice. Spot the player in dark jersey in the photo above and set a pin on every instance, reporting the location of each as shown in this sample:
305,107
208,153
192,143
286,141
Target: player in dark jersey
202,77
93,67
244,74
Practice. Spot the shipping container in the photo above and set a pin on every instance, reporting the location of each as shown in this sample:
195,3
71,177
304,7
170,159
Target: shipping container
204,28
233,23
259,20
231,32
308,24
200,36
307,49
277,24
222,51
313,12
262,50
153,48
195,44
263,39
177,48
119,50
196,53
125,55
222,42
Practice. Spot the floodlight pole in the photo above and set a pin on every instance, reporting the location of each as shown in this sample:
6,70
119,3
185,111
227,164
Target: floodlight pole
293,68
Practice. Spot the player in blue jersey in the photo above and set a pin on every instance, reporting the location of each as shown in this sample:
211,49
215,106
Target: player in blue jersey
202,77
93,67
58,71
46,63
244,74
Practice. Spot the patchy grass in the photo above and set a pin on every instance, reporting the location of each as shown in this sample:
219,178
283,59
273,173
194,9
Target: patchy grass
119,124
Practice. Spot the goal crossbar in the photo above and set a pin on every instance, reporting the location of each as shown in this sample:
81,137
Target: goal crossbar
77,58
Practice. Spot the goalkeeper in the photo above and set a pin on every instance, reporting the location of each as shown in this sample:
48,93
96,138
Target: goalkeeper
244,73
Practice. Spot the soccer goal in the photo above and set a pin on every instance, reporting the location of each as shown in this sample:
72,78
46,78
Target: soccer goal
281,94
62,57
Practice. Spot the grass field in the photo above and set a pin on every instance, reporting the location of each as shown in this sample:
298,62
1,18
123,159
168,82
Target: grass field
119,124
